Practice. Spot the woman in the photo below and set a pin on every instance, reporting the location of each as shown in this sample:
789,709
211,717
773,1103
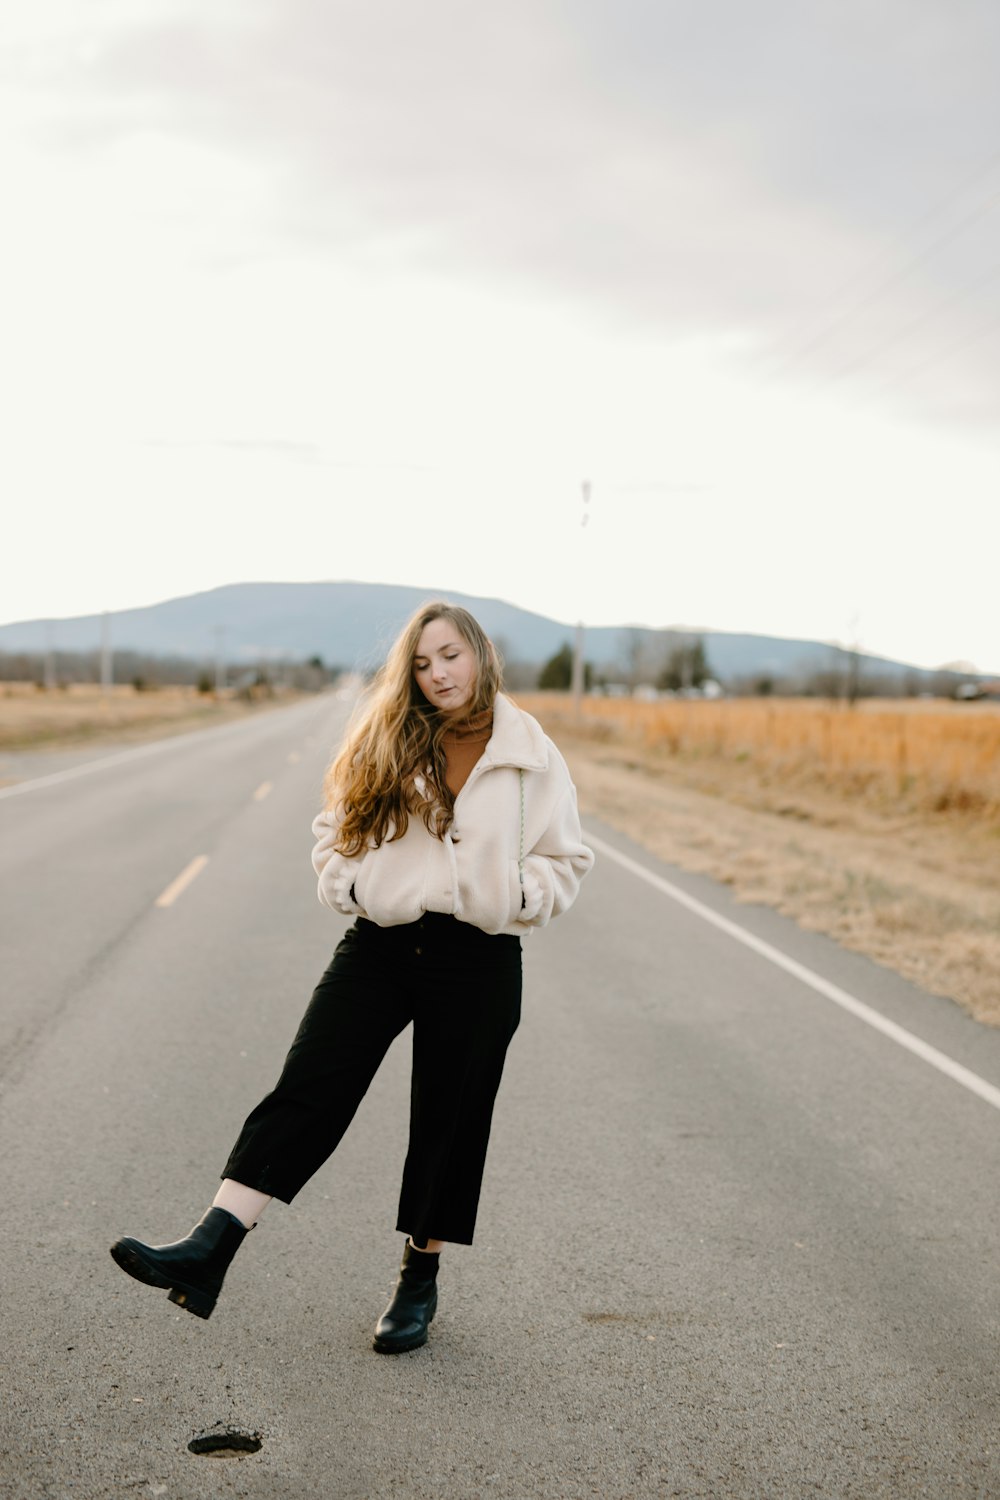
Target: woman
450,830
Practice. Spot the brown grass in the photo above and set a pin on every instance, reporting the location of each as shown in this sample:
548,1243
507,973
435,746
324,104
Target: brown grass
911,755
879,826
81,714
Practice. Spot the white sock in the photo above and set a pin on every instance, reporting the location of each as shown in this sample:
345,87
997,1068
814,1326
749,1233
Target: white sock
244,1203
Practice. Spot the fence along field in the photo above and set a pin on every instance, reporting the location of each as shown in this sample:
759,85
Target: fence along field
878,824
83,713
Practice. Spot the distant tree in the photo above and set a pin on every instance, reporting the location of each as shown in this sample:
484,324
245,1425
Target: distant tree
146,671
686,667
520,676
557,673
635,656
829,682
312,675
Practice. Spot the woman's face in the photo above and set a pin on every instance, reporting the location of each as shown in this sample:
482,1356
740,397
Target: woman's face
444,667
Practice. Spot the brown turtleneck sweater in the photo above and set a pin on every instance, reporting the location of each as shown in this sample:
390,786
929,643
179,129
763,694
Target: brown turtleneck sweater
463,746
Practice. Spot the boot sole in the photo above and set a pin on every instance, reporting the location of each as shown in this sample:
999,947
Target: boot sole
383,1348
193,1299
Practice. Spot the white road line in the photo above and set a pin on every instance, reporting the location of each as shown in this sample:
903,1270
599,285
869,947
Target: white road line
73,772
262,791
184,879
136,753
898,1034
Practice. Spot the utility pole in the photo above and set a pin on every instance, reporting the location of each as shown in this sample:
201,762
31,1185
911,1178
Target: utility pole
220,664
854,662
107,674
578,645
50,658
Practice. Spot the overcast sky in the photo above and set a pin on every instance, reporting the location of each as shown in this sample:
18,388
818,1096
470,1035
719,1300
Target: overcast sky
297,289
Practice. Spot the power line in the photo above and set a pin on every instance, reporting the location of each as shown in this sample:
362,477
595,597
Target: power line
940,358
928,216
902,333
888,282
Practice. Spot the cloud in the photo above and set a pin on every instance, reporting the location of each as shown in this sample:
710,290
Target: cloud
793,180
694,251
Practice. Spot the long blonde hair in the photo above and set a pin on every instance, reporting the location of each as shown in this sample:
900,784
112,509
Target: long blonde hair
396,735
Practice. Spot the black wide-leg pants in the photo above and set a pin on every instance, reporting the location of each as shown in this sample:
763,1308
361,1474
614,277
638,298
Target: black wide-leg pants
461,988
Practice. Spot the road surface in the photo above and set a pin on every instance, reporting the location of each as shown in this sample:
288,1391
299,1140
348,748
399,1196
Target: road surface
735,1241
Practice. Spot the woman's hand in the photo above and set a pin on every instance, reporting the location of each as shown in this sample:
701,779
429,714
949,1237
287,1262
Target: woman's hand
532,897
342,896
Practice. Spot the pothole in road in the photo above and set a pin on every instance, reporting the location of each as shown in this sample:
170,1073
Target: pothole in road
225,1443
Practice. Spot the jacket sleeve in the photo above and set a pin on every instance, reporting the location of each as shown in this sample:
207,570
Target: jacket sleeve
556,863
336,872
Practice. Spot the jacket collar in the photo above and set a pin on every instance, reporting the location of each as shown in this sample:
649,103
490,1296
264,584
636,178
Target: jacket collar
517,739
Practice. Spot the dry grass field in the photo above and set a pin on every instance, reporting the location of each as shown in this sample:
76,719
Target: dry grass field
879,825
81,714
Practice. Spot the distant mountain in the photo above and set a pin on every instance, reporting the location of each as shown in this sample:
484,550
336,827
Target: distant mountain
352,625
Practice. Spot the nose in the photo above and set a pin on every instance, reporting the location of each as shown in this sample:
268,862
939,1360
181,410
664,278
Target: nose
440,672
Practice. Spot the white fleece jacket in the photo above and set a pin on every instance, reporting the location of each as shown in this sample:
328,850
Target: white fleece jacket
472,873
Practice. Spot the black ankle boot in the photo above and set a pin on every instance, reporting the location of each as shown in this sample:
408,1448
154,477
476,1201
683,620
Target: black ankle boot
193,1269
405,1321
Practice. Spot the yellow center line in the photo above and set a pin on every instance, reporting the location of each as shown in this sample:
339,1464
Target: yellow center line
262,791
184,879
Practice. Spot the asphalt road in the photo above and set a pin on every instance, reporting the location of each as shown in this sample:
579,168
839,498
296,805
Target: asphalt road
734,1241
